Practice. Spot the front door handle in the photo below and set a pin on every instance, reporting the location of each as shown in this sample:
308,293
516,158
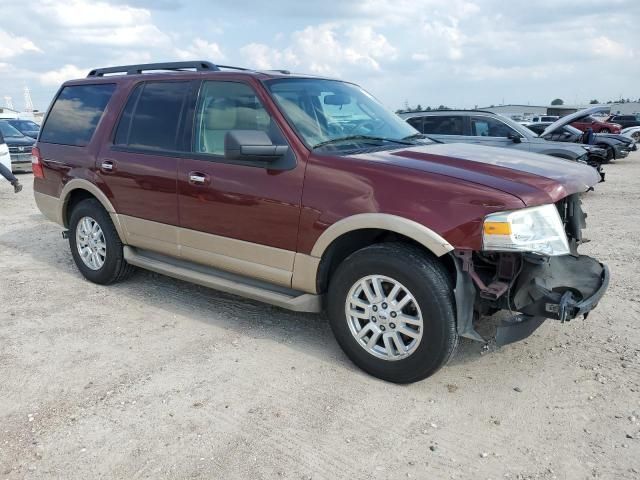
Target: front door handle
197,178
107,166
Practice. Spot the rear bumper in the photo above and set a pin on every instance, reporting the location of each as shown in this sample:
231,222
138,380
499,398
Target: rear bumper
20,161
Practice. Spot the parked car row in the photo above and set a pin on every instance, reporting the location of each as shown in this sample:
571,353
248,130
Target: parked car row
306,193
616,146
488,128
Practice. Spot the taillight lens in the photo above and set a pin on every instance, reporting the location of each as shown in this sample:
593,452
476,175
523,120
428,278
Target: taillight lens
36,163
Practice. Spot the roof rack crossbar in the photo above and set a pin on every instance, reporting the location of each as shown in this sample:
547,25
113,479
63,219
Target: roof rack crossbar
138,69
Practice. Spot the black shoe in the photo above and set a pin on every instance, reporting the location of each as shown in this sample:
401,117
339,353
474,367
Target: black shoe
17,187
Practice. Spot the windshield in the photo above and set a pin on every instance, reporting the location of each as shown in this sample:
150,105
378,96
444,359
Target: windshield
25,124
330,112
9,131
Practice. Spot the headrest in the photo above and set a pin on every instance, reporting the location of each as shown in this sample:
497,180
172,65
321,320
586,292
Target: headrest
221,114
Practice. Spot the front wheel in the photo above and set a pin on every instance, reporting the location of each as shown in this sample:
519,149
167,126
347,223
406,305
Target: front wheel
392,311
95,245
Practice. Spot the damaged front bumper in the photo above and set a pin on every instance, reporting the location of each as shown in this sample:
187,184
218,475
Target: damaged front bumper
561,288
537,288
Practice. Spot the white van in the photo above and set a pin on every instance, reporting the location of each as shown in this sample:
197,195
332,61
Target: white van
545,118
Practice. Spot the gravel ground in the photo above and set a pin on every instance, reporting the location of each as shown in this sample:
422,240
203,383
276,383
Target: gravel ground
157,378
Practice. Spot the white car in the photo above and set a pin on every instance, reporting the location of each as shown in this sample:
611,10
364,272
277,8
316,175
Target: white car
5,159
632,132
545,118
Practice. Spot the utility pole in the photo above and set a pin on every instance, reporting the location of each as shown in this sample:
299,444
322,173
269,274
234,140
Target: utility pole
28,103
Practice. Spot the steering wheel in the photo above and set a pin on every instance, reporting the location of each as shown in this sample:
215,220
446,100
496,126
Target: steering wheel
366,127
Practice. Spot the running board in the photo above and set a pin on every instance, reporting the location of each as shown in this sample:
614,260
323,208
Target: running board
224,281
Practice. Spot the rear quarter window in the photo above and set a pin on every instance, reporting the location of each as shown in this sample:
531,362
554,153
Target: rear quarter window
76,113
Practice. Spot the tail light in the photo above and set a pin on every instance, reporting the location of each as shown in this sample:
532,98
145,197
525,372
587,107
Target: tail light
36,163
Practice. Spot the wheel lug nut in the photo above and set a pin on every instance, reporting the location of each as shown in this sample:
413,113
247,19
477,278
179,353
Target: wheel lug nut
394,314
392,325
375,309
382,328
384,305
374,319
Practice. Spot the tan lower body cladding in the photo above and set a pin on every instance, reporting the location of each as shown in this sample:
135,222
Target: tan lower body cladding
274,265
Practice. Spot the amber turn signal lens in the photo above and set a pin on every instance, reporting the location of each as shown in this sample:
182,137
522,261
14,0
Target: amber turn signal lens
497,228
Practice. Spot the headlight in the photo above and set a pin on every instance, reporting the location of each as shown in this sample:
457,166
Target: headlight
537,230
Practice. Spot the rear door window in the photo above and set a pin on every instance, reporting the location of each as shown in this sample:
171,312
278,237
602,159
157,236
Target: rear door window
444,125
76,113
152,117
489,127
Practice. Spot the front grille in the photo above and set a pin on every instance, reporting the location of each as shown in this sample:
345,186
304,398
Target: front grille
20,150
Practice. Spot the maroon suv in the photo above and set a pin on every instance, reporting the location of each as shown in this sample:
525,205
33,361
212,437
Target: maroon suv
306,193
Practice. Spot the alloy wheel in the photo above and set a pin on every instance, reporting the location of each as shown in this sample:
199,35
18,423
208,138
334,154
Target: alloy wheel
384,317
91,243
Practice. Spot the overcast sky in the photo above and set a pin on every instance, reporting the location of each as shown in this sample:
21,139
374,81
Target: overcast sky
460,53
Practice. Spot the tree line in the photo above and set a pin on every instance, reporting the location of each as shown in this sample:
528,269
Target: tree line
555,101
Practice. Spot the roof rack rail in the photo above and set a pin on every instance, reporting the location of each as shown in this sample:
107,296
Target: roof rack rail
138,69
280,70
235,68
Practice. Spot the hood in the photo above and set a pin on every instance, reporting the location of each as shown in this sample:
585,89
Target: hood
19,141
576,148
533,178
31,133
612,137
574,117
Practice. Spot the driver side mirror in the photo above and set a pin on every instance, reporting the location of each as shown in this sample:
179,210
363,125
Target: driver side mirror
252,146
514,137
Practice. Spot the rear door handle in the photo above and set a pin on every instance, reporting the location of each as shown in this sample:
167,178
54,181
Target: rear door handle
197,178
107,166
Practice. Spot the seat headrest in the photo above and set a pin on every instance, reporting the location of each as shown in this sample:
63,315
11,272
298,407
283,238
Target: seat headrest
221,114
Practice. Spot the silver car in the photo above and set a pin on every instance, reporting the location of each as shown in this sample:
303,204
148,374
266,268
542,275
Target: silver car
491,129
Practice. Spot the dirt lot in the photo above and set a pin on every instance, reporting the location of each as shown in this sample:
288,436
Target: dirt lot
157,378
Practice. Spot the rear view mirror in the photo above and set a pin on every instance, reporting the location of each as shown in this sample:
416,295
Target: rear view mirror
251,145
337,99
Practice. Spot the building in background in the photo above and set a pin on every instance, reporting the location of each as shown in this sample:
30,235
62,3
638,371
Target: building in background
6,112
526,112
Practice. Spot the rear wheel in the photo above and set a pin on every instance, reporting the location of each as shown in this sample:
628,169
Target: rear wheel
95,245
392,311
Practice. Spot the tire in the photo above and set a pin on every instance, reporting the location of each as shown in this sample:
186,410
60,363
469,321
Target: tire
427,282
106,268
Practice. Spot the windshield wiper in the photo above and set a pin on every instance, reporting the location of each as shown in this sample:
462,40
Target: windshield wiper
360,137
421,136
